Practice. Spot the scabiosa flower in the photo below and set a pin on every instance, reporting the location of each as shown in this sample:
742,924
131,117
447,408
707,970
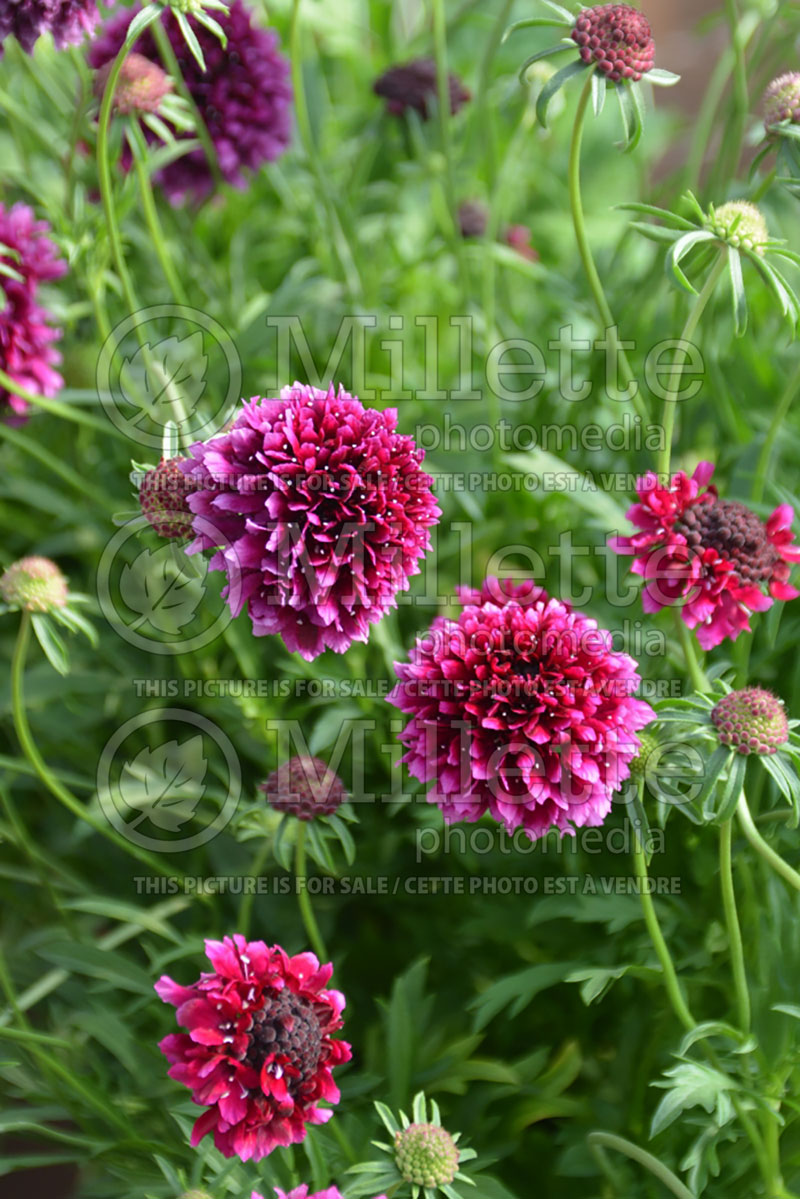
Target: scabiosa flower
751,721
472,218
413,85
259,1050
33,584
302,1192
520,707
244,95
306,788
617,38
422,1154
163,498
615,42
27,355
67,20
715,557
518,237
740,224
323,509
141,85
426,1155
781,101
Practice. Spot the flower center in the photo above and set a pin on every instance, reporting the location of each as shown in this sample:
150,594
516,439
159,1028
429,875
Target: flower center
286,1025
735,533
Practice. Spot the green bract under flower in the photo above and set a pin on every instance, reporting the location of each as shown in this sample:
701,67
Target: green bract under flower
615,48
648,743
735,229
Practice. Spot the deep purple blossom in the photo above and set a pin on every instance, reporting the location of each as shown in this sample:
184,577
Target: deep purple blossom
244,95
67,20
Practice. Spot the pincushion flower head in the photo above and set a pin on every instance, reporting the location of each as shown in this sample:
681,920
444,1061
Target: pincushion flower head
780,106
423,1154
163,496
734,232
304,787
27,258
746,725
27,20
303,1192
323,511
413,86
521,708
242,93
715,558
141,85
259,1049
614,45
36,587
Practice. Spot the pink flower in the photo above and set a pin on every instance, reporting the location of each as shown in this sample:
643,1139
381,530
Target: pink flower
301,1192
258,1053
520,707
714,556
323,510
27,354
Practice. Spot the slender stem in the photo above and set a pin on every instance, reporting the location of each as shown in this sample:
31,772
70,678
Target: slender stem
303,900
173,69
139,150
778,417
692,321
734,931
671,982
657,1169
246,909
584,249
57,407
696,672
761,847
764,186
44,772
63,470
741,99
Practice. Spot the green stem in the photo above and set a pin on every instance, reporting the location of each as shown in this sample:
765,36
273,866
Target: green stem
303,899
764,458
676,370
696,673
43,771
764,186
732,923
54,463
584,249
610,1141
671,982
761,847
246,910
139,150
58,408
173,69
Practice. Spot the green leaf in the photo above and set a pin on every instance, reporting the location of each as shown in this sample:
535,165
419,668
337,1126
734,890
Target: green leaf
54,648
679,250
190,38
598,92
731,789
693,1084
738,294
533,23
661,78
516,991
631,116
554,84
540,54
98,963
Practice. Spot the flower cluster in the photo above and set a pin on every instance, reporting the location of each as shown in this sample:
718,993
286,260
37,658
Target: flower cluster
323,510
243,96
27,20
714,557
520,707
27,354
259,1049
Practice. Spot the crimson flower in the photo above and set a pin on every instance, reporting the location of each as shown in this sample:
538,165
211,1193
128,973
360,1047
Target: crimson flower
27,258
323,510
520,707
715,557
259,1051
302,1192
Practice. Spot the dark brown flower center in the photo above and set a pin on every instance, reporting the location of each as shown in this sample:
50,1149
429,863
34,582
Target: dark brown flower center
735,533
286,1025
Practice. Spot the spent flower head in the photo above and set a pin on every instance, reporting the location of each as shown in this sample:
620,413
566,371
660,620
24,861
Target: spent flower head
739,726
735,229
423,1155
306,788
615,45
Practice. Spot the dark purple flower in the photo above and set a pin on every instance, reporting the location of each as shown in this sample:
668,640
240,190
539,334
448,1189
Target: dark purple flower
26,336
322,510
244,95
414,85
27,20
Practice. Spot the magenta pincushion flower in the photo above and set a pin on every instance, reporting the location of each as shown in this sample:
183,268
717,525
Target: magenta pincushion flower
244,95
304,787
162,495
521,708
617,38
714,557
322,509
67,20
302,1192
27,353
259,1050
